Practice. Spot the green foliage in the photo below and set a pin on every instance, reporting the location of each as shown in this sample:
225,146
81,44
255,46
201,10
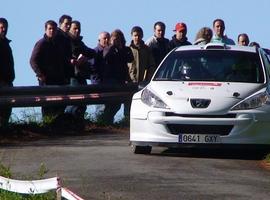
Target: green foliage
5,171
267,158
30,116
5,195
48,120
42,170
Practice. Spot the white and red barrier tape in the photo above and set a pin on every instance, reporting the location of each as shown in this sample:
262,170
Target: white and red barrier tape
66,193
37,187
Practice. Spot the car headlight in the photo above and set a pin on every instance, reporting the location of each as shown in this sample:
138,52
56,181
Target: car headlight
255,101
150,99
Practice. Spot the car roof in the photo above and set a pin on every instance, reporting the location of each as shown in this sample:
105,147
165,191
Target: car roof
217,46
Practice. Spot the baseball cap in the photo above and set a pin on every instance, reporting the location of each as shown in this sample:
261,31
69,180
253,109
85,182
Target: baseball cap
180,27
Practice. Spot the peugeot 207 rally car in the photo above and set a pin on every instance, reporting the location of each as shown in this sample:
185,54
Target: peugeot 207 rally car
204,95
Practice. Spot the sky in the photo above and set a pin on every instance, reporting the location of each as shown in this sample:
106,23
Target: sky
26,21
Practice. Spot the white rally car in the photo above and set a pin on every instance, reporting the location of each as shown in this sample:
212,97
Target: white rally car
204,95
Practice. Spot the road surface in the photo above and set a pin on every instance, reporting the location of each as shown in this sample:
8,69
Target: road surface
102,166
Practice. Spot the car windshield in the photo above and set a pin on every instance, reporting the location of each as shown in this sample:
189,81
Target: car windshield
211,65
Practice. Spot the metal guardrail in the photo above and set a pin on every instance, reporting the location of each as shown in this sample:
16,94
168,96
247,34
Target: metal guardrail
31,96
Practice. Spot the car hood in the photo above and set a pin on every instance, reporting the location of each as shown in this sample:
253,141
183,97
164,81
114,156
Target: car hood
222,96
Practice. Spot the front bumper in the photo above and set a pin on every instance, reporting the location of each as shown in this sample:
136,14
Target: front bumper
157,127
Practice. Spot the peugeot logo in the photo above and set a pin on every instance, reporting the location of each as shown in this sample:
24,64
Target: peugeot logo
200,103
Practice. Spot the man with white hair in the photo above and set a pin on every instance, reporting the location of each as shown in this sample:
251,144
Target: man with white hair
98,66
103,41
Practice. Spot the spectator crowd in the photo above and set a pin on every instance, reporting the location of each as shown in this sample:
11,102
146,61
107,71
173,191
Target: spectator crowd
61,57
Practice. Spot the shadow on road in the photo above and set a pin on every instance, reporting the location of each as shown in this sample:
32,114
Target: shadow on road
223,153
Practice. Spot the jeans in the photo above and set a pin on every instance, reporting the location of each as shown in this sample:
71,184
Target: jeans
5,111
77,111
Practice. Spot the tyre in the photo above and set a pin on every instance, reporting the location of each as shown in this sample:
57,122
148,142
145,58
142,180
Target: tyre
141,149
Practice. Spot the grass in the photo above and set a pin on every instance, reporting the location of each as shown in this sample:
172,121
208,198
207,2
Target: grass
30,127
32,117
6,195
267,158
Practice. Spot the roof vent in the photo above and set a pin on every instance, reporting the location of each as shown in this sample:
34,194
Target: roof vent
215,46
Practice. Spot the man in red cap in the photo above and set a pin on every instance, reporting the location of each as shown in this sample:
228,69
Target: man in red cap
179,38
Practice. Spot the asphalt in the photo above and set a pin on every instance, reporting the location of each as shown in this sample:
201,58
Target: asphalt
102,166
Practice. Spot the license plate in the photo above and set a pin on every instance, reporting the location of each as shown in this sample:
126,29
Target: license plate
199,138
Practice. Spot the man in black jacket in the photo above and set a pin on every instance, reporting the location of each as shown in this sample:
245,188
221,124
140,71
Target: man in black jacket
48,61
7,74
65,41
81,55
158,44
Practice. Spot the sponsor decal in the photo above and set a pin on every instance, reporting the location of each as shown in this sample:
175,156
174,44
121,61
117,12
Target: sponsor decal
204,84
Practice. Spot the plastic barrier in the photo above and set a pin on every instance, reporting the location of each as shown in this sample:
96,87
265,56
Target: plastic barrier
66,193
37,187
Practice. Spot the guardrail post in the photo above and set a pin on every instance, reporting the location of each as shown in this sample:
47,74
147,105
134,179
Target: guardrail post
58,193
59,189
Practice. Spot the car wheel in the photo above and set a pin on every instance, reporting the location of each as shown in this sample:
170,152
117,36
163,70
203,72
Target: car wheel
141,149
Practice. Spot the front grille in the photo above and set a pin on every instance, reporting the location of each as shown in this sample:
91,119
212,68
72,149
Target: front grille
170,114
199,129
